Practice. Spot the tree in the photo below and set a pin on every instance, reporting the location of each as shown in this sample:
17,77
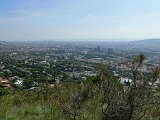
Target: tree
132,102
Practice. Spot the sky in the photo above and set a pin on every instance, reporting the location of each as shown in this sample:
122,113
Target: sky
79,19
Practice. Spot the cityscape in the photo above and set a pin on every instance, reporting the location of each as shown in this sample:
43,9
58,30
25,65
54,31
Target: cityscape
79,60
27,66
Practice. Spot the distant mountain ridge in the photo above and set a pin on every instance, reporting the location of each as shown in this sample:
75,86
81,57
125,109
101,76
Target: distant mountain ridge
148,41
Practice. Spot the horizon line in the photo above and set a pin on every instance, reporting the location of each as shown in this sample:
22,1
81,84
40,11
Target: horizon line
83,40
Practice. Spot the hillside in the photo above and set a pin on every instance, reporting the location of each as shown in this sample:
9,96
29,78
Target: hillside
147,43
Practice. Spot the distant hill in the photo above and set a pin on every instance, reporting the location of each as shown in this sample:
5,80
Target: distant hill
147,43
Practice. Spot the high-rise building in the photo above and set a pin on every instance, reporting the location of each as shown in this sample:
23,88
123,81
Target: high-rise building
110,50
98,48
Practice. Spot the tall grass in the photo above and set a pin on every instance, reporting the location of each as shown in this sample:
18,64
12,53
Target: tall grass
47,104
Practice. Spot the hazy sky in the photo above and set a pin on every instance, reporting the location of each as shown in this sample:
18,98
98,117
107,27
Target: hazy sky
79,19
